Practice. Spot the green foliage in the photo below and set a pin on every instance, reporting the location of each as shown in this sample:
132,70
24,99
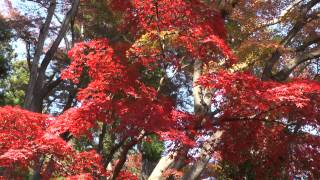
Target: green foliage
13,87
153,77
6,51
6,55
152,149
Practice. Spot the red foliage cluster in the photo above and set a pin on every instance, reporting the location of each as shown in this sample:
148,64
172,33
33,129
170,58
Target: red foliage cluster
113,93
193,23
166,15
111,97
26,142
20,131
258,99
256,117
125,175
260,121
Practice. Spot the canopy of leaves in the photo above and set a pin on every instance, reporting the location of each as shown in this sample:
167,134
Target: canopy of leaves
127,102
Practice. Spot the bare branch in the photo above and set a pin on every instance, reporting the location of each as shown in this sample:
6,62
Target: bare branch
38,51
308,43
101,137
28,49
302,20
49,86
64,27
284,73
123,155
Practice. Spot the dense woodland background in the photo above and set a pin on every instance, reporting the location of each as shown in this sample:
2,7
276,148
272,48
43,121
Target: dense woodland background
160,89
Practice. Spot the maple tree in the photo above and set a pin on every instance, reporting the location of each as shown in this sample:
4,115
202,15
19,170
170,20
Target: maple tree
238,120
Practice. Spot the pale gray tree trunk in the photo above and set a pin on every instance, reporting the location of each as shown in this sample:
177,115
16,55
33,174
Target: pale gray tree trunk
165,162
200,106
196,169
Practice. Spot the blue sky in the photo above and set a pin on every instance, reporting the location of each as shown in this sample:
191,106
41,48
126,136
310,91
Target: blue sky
18,45
24,7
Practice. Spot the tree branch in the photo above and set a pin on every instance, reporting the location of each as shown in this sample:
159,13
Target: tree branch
64,27
36,58
123,155
308,43
28,49
284,73
49,86
122,159
301,21
101,137
112,151
197,168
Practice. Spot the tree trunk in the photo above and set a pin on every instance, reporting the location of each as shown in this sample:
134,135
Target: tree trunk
123,158
200,107
194,171
38,87
164,163
147,167
31,93
202,103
